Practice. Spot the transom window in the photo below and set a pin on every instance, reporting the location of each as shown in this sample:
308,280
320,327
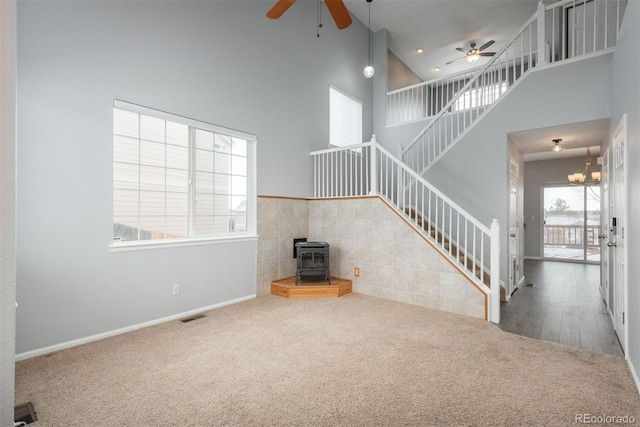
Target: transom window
176,178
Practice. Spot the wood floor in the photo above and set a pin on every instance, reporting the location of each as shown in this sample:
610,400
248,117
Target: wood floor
564,306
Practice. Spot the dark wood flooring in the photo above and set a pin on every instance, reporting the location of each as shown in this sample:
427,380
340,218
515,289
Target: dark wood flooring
564,306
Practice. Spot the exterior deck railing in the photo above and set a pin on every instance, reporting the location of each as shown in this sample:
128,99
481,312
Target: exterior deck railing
571,235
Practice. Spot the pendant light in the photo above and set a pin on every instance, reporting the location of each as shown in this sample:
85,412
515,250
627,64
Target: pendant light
368,70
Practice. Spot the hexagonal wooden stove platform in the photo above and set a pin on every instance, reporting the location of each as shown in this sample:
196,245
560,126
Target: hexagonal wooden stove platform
307,289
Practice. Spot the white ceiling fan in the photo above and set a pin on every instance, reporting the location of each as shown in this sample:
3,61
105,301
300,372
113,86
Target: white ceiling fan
473,54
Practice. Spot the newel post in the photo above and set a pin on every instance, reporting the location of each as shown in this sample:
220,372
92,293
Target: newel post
373,189
542,44
494,294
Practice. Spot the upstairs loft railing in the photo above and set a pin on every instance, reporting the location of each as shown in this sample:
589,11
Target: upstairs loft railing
565,30
369,169
423,100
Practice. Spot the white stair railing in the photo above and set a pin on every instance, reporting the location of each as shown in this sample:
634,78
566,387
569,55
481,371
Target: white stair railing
504,69
368,168
560,31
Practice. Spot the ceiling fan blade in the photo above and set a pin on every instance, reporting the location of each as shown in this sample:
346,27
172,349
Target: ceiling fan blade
461,49
279,8
339,13
454,60
486,45
487,53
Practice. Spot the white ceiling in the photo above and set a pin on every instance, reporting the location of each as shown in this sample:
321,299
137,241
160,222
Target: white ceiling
576,137
439,26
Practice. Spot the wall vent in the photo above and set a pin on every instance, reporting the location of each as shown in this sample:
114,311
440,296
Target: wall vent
24,414
192,318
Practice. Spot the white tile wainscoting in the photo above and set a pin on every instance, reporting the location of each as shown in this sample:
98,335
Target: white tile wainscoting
395,262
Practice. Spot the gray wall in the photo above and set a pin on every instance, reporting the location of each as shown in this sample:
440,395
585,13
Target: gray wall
475,172
536,176
389,137
625,70
221,62
7,208
398,74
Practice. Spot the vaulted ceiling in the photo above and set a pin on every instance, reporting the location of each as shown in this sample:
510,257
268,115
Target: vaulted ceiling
440,26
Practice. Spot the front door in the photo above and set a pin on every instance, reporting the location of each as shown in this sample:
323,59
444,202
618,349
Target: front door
617,233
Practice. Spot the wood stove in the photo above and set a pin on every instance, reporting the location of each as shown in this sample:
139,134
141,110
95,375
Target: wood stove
313,260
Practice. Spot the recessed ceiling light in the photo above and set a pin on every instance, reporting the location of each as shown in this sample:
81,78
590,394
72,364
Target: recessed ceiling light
436,68
419,50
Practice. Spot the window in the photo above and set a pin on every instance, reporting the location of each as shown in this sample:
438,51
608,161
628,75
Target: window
480,96
176,178
345,118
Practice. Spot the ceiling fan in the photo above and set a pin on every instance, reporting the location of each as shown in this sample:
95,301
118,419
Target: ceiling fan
474,53
337,8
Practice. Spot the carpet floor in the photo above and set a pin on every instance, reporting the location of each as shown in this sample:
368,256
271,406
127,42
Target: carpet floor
351,361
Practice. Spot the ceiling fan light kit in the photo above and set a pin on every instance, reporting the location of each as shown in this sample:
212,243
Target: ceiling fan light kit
473,54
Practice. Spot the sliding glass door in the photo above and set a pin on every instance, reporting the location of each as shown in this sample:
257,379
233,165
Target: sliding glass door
572,223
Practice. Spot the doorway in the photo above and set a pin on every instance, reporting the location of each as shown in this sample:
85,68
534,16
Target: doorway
571,223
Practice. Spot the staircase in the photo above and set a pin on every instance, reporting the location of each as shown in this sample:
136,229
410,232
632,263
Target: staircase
368,168
562,31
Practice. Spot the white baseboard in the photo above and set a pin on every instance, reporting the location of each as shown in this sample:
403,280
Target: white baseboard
85,340
535,258
634,374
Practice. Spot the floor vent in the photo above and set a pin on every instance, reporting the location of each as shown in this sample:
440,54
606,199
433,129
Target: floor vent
530,285
24,414
192,318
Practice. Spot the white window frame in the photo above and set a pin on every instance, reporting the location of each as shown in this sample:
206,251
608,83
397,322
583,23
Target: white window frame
251,190
345,118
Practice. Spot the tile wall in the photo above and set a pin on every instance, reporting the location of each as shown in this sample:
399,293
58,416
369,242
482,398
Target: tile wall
395,262
279,221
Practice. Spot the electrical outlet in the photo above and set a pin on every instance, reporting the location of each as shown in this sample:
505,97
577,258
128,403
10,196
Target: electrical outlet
176,289
356,271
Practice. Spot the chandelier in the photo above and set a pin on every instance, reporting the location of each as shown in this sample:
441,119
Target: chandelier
581,177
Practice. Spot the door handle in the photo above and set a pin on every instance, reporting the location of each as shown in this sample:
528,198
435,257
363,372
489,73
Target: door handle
611,244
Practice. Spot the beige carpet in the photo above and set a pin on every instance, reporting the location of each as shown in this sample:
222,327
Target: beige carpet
352,361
